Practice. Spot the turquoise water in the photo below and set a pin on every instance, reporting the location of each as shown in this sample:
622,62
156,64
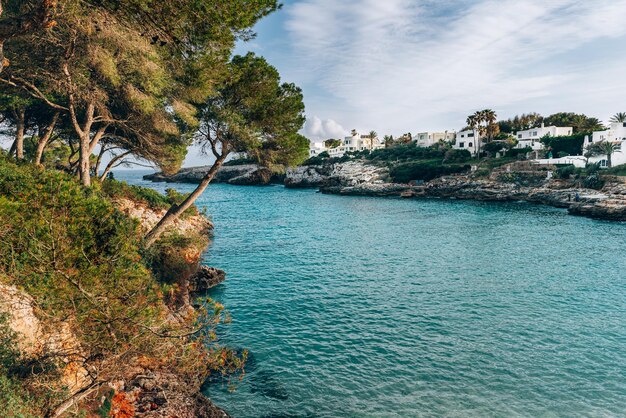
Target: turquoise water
367,307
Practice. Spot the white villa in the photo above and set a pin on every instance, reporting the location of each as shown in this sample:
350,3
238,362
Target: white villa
356,142
466,140
427,139
616,134
532,137
316,148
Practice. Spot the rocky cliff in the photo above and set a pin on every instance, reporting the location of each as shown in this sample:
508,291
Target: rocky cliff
348,174
242,175
41,340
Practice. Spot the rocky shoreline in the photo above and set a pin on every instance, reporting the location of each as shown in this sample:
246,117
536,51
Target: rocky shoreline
240,175
511,183
514,182
609,203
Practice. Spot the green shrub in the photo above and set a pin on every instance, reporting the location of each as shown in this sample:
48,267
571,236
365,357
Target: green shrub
565,172
496,146
82,261
570,145
619,170
516,152
404,173
457,156
152,198
407,152
593,181
482,172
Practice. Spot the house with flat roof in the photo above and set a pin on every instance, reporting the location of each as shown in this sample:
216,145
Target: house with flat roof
427,139
615,134
531,138
352,143
467,139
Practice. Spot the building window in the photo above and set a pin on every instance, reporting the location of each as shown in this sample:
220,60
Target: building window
470,145
461,144
470,135
535,133
519,136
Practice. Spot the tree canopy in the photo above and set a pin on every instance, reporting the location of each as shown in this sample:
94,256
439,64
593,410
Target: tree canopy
129,72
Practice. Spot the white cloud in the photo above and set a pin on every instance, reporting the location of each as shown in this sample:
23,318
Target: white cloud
318,129
407,65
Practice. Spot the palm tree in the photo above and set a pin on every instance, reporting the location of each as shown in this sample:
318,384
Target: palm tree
619,117
473,122
373,135
489,118
604,148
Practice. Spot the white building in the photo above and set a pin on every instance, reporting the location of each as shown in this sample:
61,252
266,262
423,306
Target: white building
353,143
531,138
616,134
316,148
466,140
427,139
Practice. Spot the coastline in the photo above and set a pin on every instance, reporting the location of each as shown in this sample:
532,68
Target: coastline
512,182
607,204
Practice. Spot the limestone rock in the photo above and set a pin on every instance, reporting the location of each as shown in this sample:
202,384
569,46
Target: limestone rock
348,174
205,279
149,217
245,175
41,339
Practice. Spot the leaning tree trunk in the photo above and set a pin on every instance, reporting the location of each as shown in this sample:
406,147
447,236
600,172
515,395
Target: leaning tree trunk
176,210
112,163
43,141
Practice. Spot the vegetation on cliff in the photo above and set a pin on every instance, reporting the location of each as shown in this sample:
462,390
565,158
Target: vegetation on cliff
84,264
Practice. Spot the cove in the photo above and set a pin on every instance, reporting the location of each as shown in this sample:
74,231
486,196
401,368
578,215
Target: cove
372,307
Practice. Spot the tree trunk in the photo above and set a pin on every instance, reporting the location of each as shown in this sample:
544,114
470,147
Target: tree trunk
176,210
111,164
43,141
609,163
84,168
19,134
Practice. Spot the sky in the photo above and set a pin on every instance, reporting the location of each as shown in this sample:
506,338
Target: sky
397,66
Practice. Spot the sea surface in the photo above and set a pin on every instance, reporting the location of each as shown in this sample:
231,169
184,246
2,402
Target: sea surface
374,307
